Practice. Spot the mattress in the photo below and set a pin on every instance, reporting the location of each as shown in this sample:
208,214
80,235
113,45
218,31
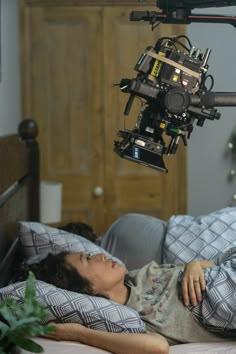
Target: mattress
52,347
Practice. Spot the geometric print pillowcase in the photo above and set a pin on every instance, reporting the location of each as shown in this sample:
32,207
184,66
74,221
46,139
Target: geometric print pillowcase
38,240
201,237
67,306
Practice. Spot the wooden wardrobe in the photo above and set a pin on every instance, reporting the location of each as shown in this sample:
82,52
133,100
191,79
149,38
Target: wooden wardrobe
73,52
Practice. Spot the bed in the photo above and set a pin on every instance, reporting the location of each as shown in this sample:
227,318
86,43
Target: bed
19,200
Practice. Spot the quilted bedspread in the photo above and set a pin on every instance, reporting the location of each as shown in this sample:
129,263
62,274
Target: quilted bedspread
202,237
211,237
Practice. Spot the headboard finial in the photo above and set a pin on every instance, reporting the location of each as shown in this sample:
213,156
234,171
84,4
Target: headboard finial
28,129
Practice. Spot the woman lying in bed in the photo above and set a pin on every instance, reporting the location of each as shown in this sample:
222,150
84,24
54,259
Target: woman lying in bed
173,301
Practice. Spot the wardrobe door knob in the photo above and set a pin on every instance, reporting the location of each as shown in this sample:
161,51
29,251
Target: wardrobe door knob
98,191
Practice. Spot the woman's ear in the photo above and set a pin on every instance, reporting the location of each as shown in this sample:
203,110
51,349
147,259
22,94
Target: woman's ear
90,290
94,292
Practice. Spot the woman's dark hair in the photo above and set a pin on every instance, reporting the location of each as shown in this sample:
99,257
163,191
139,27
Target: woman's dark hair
55,270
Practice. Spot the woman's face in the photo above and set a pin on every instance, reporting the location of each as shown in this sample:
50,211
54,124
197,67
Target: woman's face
103,273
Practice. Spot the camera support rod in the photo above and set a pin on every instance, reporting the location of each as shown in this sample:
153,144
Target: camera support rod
180,16
214,99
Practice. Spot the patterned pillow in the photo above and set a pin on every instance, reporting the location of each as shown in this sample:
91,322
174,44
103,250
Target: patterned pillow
199,237
67,306
40,239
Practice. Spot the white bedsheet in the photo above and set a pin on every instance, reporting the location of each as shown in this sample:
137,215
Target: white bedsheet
204,348
52,347
63,347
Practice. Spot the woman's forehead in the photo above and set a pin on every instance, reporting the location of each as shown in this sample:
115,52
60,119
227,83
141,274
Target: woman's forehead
75,256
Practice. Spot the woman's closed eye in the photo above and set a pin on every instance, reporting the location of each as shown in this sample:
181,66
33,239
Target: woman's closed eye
89,258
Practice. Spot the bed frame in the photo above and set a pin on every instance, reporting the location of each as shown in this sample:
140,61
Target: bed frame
19,191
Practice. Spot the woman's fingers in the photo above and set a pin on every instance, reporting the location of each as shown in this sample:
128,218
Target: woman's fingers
197,292
191,292
202,281
185,291
193,283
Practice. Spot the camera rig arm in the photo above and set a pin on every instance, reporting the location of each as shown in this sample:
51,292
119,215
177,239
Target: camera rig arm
172,87
180,16
179,11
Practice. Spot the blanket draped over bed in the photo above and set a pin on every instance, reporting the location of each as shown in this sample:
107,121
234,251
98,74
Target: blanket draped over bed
201,237
211,237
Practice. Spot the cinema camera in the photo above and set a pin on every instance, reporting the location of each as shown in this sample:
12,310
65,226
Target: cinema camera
172,84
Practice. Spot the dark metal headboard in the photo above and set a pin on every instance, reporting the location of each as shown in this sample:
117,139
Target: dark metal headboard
19,191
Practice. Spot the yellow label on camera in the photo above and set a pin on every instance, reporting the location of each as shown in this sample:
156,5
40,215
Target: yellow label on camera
157,66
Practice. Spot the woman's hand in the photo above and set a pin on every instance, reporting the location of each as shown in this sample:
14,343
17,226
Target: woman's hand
193,281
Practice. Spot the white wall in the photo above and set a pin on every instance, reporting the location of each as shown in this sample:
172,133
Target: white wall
209,160
10,107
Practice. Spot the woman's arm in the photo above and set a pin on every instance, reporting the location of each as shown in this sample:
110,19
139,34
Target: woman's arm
117,343
193,281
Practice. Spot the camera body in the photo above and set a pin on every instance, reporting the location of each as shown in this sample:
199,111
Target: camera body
169,82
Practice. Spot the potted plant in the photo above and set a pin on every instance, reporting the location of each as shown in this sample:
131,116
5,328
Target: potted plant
20,322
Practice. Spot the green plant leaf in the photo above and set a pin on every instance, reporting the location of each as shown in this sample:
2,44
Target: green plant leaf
29,331
31,304
2,350
10,302
7,314
27,320
28,344
39,330
22,319
30,289
4,328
